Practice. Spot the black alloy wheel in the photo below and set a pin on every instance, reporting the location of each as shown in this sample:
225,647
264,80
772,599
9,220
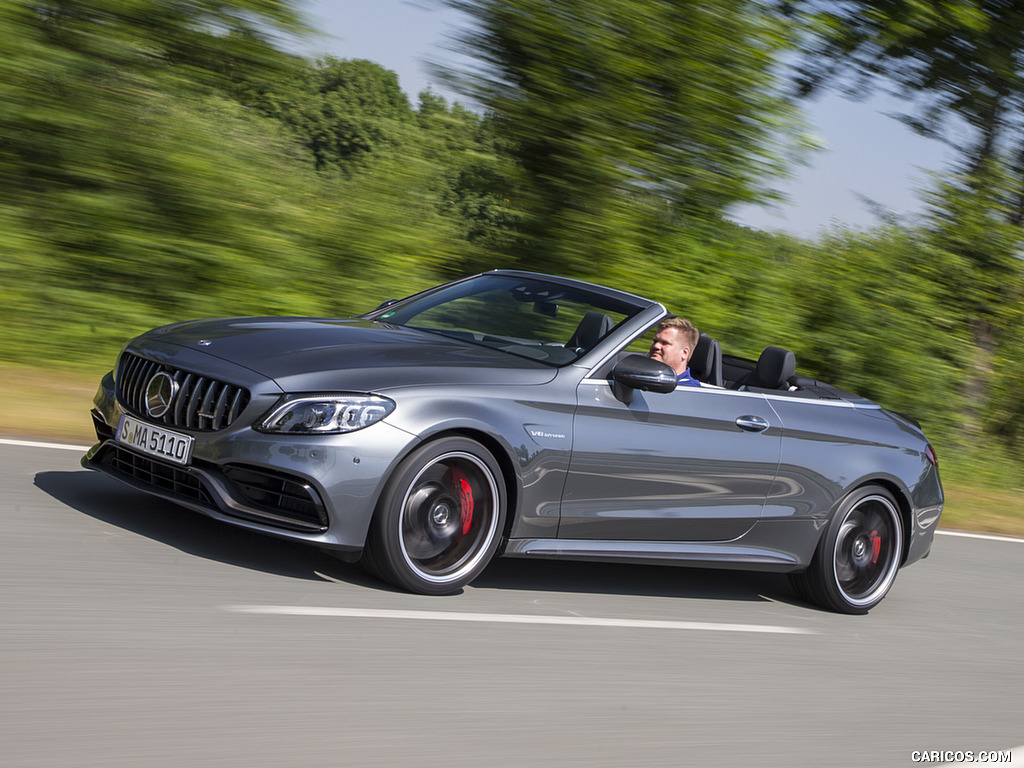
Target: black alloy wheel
440,518
858,557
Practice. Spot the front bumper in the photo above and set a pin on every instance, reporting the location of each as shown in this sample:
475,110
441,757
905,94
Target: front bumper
320,489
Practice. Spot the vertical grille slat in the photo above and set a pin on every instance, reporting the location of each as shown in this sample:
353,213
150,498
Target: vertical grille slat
236,406
146,370
179,402
123,365
185,397
125,368
134,373
200,403
194,402
136,369
218,409
206,411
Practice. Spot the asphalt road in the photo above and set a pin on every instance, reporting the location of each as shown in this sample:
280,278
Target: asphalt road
135,633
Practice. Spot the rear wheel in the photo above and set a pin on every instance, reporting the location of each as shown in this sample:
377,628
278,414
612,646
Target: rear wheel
439,519
858,557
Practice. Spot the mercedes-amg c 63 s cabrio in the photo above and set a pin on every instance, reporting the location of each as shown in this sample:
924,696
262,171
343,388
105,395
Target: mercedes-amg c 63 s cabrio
517,414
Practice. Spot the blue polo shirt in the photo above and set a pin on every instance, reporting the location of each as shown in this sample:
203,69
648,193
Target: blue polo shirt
686,380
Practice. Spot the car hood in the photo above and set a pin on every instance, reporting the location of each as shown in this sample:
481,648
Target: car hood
305,354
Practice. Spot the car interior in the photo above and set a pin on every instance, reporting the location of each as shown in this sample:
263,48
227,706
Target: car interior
774,371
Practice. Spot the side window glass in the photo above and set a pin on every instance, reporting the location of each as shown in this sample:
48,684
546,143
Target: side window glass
642,344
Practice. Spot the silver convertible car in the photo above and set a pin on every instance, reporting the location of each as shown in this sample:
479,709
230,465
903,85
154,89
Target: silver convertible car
517,414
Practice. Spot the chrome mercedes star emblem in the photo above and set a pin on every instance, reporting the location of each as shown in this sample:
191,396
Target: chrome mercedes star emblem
160,392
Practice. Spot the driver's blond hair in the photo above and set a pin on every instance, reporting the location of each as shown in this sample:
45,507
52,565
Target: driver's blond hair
686,329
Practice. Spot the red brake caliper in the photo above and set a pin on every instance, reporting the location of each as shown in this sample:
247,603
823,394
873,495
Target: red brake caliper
465,498
876,546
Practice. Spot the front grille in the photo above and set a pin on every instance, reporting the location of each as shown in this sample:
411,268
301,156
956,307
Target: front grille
281,498
199,402
175,481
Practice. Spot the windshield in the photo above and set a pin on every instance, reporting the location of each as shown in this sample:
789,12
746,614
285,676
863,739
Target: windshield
531,318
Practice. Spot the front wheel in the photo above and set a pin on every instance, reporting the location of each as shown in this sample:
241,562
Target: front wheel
439,520
858,557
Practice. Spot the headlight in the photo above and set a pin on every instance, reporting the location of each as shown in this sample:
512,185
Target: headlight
325,414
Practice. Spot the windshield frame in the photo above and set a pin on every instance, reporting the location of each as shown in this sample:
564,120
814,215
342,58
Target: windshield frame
541,291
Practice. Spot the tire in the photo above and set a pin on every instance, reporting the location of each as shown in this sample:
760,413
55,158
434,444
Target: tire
439,519
857,559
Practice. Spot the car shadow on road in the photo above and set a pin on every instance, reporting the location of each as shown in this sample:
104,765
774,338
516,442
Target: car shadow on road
630,579
114,503
105,499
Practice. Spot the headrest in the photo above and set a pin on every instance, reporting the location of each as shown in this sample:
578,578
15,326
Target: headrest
592,328
704,360
774,368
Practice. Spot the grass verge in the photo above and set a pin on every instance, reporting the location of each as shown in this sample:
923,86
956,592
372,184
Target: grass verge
55,405
41,403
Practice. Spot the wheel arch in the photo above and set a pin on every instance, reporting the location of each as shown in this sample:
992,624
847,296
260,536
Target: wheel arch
497,449
821,582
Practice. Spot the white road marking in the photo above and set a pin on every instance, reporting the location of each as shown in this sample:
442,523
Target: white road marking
32,444
509,618
986,536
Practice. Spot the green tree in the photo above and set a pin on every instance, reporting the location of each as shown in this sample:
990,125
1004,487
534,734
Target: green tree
479,185
957,65
133,192
871,317
976,241
74,73
604,101
343,111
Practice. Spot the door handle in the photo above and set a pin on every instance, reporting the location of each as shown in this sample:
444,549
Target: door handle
752,424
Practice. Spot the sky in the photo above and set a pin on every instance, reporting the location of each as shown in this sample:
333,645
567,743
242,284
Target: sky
867,154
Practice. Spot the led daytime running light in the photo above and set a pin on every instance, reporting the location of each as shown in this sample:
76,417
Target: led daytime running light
327,414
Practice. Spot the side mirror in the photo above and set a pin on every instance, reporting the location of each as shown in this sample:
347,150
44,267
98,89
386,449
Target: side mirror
641,372
386,303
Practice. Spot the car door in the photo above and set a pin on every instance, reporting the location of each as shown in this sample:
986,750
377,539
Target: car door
695,464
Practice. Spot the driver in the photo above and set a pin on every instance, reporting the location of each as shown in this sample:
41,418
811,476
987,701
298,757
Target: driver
673,344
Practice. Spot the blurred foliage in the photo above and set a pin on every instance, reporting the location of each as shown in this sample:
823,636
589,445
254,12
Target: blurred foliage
870,314
948,60
604,101
956,64
342,112
167,161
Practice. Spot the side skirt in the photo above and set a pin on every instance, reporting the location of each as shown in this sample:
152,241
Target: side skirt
703,554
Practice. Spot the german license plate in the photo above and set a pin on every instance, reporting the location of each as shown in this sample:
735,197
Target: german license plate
155,441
